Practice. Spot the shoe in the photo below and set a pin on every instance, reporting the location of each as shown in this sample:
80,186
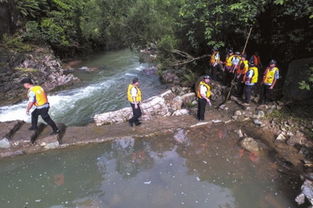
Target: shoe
131,124
55,132
137,124
33,129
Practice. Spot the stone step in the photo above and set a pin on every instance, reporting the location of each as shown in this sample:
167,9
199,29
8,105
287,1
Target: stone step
51,141
8,129
24,135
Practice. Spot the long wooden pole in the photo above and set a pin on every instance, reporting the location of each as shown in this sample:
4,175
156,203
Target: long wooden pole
232,82
247,40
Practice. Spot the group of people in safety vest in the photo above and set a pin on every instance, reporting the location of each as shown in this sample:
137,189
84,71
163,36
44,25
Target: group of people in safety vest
238,70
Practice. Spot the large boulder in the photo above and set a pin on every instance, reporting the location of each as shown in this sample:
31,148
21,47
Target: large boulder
154,106
297,72
250,144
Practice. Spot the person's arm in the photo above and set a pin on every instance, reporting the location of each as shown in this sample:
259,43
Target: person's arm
31,101
276,76
203,94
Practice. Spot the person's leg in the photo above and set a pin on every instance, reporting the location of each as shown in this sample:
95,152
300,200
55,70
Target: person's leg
201,109
249,92
268,94
131,121
137,114
34,119
46,117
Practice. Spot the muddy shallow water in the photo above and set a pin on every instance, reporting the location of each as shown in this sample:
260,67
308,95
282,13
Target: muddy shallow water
201,167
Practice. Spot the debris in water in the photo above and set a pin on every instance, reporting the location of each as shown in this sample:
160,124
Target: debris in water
58,179
198,179
205,162
38,200
147,182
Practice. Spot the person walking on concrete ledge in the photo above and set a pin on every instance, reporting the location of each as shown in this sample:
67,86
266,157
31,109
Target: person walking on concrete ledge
38,98
203,95
134,97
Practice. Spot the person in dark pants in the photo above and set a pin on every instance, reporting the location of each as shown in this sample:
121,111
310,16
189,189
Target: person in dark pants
38,98
134,97
203,95
251,78
271,75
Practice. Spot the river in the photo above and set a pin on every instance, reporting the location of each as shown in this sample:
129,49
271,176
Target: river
100,91
201,170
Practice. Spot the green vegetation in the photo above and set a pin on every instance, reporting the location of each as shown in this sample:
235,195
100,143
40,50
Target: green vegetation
281,28
307,85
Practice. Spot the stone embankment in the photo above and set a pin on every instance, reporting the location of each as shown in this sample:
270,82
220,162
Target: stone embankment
40,65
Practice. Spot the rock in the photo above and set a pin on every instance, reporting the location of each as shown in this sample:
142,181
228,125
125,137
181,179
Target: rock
180,136
250,144
235,117
189,98
258,122
237,113
177,103
281,138
4,143
217,121
260,114
48,140
299,138
239,133
160,105
180,112
306,192
52,145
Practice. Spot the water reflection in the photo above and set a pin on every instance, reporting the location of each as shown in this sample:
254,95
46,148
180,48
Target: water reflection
194,168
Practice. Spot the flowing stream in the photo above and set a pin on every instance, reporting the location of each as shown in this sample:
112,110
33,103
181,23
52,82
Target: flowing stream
100,91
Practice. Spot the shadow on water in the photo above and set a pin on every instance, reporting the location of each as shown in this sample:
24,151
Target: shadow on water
201,167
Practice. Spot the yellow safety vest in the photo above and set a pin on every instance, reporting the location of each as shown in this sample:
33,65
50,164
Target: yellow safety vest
270,75
255,76
208,92
40,95
229,60
129,96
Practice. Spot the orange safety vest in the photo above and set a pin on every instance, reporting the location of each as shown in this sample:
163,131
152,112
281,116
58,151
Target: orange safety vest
40,95
243,67
213,60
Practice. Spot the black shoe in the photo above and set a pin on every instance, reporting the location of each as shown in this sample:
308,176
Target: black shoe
33,129
55,132
137,124
131,124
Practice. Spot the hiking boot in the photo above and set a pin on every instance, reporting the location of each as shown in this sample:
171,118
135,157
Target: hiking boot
55,132
131,124
33,128
139,123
